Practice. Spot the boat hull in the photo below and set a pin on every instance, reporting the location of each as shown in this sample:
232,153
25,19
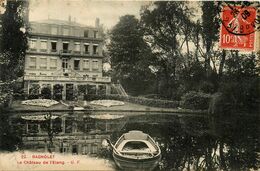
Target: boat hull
136,164
136,150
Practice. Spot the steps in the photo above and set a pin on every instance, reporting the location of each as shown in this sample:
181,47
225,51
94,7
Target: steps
119,89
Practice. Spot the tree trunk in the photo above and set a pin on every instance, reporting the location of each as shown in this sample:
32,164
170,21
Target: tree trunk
222,62
207,64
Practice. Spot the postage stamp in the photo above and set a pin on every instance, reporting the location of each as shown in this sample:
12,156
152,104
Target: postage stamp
238,28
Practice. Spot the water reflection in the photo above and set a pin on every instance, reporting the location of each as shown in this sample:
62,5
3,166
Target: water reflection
187,143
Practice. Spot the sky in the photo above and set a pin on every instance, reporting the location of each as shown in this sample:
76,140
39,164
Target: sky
84,11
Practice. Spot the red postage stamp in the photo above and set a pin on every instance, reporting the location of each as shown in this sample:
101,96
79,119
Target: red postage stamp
238,28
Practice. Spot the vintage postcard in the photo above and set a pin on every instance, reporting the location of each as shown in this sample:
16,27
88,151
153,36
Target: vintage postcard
96,85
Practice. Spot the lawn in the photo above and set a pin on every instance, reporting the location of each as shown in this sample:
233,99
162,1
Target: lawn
126,107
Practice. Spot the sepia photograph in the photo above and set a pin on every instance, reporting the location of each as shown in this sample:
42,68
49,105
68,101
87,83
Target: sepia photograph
129,85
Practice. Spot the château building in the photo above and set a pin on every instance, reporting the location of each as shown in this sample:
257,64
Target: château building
66,57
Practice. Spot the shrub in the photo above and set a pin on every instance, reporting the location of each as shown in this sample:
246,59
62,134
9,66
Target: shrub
195,100
57,91
46,93
34,91
207,87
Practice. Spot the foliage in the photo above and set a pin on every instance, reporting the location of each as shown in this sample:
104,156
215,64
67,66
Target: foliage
101,89
240,82
82,89
34,91
46,93
130,55
9,140
13,41
57,91
243,94
195,100
165,25
210,23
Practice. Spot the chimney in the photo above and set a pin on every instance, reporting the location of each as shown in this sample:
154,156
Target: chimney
97,22
69,18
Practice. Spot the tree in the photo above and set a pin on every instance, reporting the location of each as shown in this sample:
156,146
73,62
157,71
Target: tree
13,40
130,55
167,27
210,28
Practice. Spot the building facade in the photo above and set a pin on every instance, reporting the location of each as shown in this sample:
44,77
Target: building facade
66,57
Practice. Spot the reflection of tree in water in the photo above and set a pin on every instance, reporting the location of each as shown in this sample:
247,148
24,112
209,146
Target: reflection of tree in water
10,140
195,144
187,143
239,142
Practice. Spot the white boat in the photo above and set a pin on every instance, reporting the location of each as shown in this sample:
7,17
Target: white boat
136,150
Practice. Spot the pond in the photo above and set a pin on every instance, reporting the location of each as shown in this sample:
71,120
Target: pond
187,142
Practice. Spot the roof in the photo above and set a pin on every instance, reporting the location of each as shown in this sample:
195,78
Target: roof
61,22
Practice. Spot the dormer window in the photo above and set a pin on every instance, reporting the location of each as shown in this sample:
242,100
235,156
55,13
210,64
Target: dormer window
65,31
95,34
86,33
54,30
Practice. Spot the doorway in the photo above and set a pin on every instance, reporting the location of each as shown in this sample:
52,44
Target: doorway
69,92
74,149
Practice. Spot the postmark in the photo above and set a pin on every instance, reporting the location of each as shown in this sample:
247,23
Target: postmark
238,27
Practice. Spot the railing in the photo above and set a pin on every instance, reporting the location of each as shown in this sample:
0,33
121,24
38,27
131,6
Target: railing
67,78
65,51
120,90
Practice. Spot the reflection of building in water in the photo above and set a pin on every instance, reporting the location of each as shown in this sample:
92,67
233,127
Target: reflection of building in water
71,134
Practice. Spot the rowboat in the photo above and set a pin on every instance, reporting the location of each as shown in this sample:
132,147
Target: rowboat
136,150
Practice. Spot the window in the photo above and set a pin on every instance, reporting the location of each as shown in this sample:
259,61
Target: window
76,64
94,149
77,32
68,125
53,46
53,63
33,44
43,63
95,49
32,63
86,48
54,30
74,149
65,31
33,128
85,33
95,64
85,149
94,77
77,47
65,47
64,63
43,45
86,64
95,34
